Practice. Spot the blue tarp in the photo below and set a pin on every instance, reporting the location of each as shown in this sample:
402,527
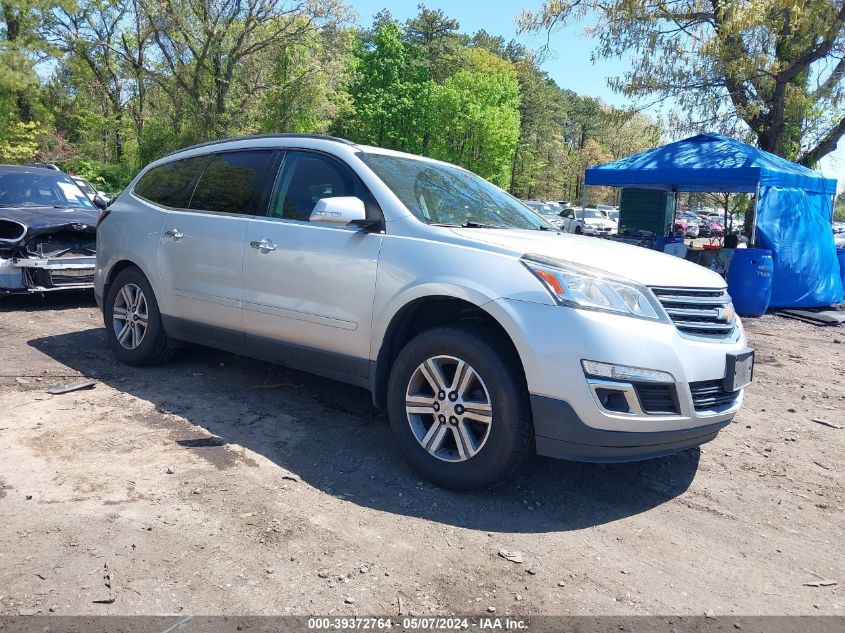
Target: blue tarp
793,213
708,162
795,226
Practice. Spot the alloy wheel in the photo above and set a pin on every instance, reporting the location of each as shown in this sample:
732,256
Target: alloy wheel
449,408
130,316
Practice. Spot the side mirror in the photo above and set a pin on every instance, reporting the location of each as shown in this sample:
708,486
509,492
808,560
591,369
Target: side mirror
100,202
341,211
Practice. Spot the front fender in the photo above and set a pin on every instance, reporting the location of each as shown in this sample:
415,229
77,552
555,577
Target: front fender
412,269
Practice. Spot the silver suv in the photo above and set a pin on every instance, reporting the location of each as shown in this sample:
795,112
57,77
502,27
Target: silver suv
485,332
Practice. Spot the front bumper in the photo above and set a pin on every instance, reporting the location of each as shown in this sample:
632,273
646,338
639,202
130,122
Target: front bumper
28,275
574,440
599,231
568,419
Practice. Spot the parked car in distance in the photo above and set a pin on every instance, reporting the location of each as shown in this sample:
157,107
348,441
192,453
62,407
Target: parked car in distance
89,189
715,223
693,223
586,221
606,209
432,288
546,211
47,232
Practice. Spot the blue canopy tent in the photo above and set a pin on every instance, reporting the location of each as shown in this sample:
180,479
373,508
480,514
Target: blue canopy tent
794,206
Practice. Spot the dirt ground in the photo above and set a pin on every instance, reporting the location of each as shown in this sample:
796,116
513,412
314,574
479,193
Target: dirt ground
216,484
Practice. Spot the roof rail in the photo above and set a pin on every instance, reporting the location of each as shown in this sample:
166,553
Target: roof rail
324,137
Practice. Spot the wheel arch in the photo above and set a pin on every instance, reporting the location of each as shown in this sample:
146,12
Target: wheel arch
119,266
423,313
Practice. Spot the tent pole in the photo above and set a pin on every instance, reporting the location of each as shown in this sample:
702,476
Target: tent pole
584,196
674,214
754,223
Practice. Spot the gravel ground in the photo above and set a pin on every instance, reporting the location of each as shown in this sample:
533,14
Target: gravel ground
217,484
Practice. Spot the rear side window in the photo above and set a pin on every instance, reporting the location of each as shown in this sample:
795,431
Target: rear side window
171,184
230,183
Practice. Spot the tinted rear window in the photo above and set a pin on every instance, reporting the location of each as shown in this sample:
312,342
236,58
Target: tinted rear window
172,184
229,182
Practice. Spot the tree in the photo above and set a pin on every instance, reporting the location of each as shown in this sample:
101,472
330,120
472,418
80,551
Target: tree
200,47
839,208
438,39
475,117
18,142
21,47
543,165
774,69
391,94
89,35
308,83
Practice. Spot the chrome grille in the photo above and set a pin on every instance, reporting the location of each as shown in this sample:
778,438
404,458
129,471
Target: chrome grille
698,312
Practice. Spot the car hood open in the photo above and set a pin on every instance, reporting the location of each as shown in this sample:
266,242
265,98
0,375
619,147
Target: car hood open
638,264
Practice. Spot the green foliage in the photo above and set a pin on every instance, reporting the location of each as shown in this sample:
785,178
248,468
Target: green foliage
132,80
18,142
839,208
391,94
107,177
475,117
769,69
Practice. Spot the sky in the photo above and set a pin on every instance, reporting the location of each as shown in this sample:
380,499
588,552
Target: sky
568,62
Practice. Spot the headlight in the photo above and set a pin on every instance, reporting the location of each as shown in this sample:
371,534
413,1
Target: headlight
582,287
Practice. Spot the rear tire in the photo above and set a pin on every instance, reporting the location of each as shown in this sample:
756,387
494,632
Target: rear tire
133,321
442,431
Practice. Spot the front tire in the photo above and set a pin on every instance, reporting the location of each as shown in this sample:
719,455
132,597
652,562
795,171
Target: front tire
459,408
133,321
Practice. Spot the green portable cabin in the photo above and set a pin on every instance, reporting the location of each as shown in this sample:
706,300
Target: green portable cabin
647,210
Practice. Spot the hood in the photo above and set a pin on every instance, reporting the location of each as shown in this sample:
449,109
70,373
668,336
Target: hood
40,220
44,217
598,222
644,266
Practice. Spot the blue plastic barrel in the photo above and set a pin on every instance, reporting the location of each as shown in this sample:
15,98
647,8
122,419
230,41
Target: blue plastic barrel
840,255
661,242
750,280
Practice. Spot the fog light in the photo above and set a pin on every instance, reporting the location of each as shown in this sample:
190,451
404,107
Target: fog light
623,372
613,400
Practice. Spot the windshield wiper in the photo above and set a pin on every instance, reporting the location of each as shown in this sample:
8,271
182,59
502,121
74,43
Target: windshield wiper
469,225
481,225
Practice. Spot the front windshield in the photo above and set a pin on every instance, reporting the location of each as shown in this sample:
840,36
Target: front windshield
85,186
42,189
443,194
590,213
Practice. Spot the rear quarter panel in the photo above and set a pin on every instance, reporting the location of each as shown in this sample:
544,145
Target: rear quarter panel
131,232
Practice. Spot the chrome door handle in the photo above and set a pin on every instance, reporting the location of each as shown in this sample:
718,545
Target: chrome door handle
263,245
176,234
